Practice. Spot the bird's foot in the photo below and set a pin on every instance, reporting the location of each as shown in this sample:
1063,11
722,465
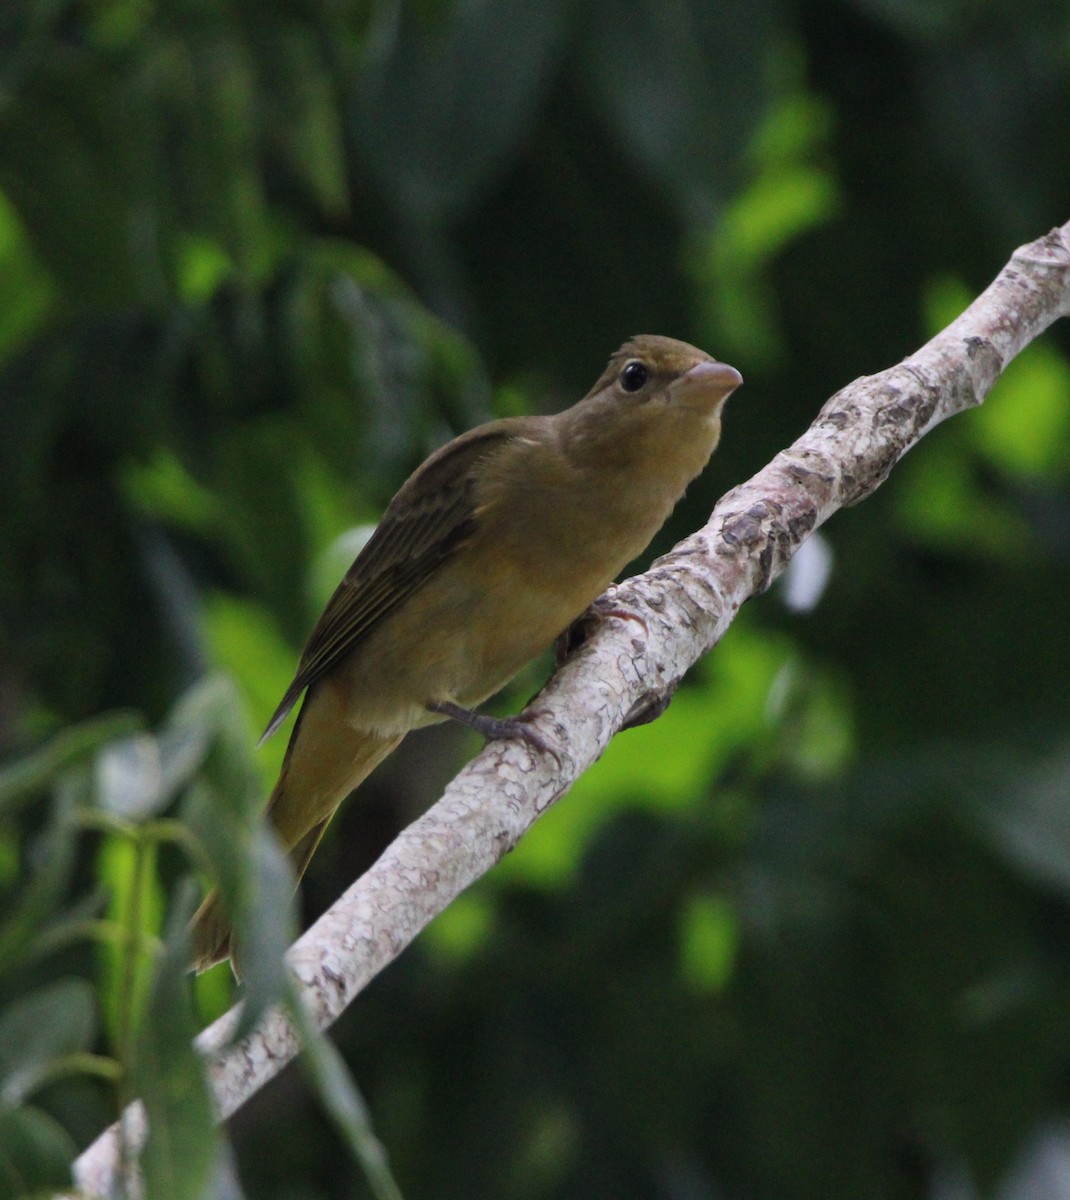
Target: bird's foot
648,709
581,629
645,710
497,728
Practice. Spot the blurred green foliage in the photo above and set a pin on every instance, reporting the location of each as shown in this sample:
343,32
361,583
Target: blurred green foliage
803,937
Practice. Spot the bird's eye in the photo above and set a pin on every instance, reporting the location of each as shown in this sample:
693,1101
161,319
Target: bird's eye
634,376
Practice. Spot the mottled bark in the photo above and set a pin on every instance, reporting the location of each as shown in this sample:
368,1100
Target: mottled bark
657,625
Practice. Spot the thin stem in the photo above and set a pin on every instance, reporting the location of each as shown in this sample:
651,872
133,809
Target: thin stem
129,1009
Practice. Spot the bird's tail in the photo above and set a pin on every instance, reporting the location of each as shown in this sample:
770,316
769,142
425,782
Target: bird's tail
210,933
319,771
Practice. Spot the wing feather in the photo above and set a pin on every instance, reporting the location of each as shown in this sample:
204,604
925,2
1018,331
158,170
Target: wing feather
426,523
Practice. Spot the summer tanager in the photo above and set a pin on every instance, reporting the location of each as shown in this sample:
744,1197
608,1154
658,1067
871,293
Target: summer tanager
489,551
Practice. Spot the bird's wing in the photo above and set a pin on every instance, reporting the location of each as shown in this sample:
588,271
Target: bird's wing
429,519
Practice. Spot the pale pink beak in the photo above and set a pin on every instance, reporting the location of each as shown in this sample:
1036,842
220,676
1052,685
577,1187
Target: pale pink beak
709,377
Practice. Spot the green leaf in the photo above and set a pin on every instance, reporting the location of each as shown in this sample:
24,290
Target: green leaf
381,381
260,512
224,809
246,642
792,192
345,1105
183,1144
709,937
164,489
460,931
202,267
35,1153
442,100
303,119
51,1022
26,292
87,205
22,780
129,777
1023,428
681,87
941,503
127,868
51,859
212,709
265,925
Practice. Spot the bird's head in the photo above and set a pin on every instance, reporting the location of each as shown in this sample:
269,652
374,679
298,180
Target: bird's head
660,372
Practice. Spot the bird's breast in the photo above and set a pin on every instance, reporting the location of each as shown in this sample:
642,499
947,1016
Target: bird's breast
550,531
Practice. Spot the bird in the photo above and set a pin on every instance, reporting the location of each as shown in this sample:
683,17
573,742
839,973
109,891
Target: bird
491,549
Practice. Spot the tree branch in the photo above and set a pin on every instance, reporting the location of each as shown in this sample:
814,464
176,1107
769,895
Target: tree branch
681,608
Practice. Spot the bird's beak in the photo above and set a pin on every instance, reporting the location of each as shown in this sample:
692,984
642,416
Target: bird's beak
706,382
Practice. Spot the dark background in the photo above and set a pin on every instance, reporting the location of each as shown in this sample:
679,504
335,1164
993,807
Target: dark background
808,935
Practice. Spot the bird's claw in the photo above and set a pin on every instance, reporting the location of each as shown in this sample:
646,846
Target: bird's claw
498,728
648,709
584,625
